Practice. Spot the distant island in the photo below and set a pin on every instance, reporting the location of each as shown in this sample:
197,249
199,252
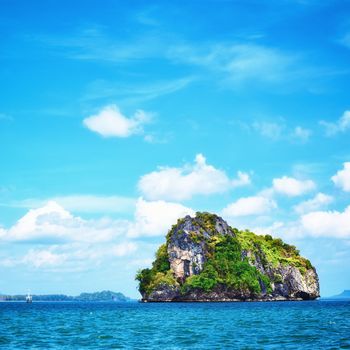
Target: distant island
204,259
105,295
343,295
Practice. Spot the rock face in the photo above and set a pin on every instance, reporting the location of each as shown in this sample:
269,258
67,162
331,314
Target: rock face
204,259
187,254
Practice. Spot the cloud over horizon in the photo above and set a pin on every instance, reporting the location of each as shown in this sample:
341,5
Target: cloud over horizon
57,239
327,223
155,218
247,206
339,126
52,223
342,178
86,203
292,187
317,202
183,183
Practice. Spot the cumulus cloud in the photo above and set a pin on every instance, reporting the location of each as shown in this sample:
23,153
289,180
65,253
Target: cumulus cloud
342,178
301,134
60,241
64,241
156,217
278,130
267,129
83,203
124,248
2,232
273,229
327,223
183,183
292,187
75,256
339,126
319,201
317,223
52,223
256,205
243,179
43,258
110,122
321,223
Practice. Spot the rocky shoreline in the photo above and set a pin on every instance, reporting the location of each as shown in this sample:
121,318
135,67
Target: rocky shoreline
223,300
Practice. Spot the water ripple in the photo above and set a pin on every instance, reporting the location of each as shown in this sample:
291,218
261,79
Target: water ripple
287,325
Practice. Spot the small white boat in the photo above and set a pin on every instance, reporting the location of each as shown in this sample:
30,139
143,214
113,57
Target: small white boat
29,298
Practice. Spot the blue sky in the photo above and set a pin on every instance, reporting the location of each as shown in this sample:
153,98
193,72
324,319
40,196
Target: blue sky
117,118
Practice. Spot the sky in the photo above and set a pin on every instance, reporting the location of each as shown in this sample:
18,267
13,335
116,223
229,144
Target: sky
117,118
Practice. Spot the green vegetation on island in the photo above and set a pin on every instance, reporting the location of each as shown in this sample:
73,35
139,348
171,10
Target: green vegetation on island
225,266
237,260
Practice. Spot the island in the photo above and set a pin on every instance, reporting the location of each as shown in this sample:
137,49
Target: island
105,296
344,295
204,259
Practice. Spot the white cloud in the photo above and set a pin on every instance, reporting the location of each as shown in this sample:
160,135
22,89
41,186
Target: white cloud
52,223
257,205
268,129
239,62
183,183
278,130
243,179
327,223
262,63
43,258
342,178
156,218
292,187
319,201
301,134
84,203
71,256
64,242
60,241
135,93
331,224
273,229
99,251
124,249
110,122
339,126
2,232
8,262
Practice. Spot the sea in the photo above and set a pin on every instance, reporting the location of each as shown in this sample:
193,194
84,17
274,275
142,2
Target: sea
132,325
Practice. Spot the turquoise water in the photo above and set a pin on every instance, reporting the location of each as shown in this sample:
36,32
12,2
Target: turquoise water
275,325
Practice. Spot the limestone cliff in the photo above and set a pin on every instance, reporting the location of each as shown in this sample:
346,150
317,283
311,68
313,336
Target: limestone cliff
204,259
